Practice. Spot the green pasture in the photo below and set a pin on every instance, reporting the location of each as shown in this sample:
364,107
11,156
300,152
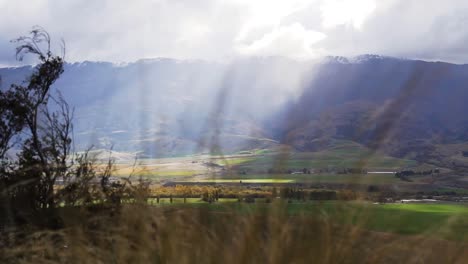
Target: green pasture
445,221
307,178
342,154
243,180
323,160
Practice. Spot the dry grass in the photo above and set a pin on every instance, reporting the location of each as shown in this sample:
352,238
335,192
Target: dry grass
143,234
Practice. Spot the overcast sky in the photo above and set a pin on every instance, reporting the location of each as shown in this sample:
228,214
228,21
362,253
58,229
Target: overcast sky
123,31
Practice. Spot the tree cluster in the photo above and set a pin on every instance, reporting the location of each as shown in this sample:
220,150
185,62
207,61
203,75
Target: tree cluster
36,144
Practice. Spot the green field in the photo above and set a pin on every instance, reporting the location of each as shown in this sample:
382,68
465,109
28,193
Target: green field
342,154
305,178
440,220
323,160
243,180
446,221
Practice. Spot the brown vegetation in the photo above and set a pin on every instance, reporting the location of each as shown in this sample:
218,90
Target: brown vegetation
142,234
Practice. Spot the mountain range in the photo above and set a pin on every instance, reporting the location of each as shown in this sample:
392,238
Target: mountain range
166,107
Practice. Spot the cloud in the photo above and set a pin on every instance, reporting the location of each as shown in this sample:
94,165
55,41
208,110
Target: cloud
119,30
293,41
405,29
343,12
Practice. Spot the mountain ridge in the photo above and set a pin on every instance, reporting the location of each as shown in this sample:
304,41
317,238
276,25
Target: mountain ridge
385,103
328,58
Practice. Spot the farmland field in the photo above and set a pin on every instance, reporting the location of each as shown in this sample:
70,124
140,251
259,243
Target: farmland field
305,178
257,162
244,180
446,221
343,154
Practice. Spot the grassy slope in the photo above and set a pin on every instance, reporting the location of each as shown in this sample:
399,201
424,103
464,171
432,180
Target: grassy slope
340,155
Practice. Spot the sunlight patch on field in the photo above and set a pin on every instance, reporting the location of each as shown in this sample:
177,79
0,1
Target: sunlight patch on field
245,180
179,201
321,178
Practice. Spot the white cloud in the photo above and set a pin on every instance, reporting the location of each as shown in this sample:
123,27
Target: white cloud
292,41
267,13
121,30
346,12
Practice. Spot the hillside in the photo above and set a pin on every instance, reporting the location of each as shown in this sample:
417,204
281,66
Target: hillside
165,107
402,107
